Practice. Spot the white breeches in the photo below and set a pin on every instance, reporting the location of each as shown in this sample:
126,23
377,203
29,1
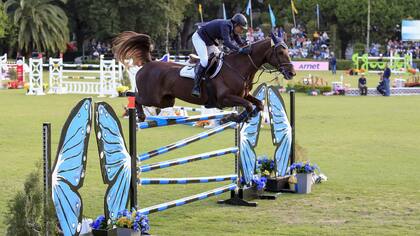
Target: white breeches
202,50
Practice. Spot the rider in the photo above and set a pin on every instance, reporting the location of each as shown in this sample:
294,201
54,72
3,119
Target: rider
205,41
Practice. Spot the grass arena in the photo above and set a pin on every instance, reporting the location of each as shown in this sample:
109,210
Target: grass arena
245,117
367,172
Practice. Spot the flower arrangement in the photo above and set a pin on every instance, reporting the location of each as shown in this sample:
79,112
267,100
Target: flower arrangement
122,89
259,182
125,219
266,166
303,168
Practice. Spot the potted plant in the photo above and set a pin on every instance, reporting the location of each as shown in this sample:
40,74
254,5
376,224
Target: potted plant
267,170
303,173
126,224
122,90
256,188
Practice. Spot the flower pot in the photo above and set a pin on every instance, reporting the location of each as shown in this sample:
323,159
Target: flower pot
276,184
304,183
115,232
292,187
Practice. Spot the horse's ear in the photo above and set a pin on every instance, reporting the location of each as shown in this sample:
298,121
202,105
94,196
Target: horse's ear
274,39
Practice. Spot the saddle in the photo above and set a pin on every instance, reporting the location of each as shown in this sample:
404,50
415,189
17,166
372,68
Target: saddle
212,70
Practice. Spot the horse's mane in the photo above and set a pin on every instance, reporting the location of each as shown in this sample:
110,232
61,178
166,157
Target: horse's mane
259,41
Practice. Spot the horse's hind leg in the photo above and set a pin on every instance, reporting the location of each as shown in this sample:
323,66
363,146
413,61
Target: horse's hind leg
140,112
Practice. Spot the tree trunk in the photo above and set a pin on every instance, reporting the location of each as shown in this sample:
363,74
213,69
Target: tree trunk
186,32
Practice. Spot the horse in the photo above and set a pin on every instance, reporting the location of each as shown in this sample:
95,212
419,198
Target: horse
159,83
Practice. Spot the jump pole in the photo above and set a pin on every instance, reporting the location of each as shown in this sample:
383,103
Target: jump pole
292,124
133,153
46,153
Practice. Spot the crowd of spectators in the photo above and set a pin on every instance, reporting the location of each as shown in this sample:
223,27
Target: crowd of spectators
304,45
301,45
393,47
255,36
99,48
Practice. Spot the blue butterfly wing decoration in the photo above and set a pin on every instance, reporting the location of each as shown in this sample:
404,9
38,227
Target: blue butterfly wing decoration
249,139
70,166
115,160
281,130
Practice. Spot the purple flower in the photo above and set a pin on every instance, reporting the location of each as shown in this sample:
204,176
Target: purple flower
98,222
136,227
263,179
272,165
259,182
144,224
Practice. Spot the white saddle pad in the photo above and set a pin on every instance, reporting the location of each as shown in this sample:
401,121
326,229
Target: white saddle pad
189,72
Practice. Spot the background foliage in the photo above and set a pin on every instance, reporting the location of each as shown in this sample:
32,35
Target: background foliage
344,20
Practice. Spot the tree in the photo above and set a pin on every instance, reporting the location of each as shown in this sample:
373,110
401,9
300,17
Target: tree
42,24
3,21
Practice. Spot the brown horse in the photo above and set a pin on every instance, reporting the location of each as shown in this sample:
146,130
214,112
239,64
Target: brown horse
159,83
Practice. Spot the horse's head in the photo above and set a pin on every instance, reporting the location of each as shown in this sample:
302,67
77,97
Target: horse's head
279,58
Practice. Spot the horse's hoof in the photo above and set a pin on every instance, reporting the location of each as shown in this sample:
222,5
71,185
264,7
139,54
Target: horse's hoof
141,118
255,112
230,118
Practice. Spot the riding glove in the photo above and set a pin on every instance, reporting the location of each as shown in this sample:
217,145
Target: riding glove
245,51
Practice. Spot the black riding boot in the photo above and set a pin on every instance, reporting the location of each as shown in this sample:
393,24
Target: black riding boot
196,91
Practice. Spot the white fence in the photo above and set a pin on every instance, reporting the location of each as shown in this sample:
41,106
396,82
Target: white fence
109,74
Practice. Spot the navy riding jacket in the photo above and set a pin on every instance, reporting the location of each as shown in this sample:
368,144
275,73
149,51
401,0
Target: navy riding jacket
387,73
219,29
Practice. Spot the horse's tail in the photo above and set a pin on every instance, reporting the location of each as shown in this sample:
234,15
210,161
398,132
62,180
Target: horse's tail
131,45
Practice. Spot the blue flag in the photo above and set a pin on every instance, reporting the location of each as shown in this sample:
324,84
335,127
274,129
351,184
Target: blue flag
248,8
224,12
272,17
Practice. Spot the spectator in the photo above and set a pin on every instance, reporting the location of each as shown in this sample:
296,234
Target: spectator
258,34
95,54
315,36
325,39
281,34
381,85
250,35
333,63
362,85
386,78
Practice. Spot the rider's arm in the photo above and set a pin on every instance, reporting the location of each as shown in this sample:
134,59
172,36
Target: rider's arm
238,40
226,37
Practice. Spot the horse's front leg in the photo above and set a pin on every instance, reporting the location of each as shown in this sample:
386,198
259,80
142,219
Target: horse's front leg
233,100
255,101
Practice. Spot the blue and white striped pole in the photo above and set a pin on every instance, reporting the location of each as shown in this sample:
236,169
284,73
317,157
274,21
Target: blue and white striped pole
184,142
160,123
185,160
198,180
183,201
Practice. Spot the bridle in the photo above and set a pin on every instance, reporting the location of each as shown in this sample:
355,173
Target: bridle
281,65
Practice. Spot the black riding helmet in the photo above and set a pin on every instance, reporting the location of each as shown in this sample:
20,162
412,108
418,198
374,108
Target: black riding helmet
239,19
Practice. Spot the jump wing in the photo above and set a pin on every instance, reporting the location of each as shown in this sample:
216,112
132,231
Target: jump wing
281,130
249,139
70,166
115,160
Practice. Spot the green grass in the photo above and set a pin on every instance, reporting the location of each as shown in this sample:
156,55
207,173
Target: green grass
367,146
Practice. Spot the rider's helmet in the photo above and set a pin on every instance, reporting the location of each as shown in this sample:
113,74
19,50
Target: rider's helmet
239,19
